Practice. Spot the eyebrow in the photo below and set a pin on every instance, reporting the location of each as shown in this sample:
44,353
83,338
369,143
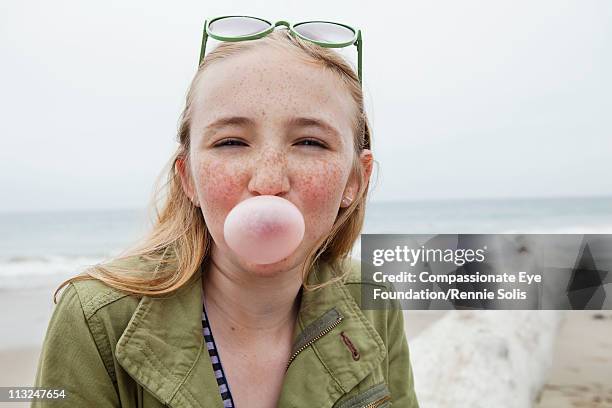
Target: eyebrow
293,122
230,121
308,121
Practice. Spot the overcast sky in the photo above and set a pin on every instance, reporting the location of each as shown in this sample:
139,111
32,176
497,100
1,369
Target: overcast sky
468,99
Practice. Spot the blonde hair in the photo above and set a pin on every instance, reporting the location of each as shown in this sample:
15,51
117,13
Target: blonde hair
179,242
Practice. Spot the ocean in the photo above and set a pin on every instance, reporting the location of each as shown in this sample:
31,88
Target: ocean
41,249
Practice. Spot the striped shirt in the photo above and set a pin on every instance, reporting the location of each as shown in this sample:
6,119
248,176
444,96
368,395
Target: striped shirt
226,395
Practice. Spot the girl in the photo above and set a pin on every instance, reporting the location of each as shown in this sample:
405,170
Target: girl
182,320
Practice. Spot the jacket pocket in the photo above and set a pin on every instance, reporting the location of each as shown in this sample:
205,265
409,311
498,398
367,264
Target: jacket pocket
376,397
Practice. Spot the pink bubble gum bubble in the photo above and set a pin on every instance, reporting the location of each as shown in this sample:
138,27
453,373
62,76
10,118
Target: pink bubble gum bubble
264,229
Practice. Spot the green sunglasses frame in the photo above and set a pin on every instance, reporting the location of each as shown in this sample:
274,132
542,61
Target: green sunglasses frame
356,40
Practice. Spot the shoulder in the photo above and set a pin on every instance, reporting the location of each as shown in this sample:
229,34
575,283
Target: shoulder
89,309
86,323
89,313
94,295
103,308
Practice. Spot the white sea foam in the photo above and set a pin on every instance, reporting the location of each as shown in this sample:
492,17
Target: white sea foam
41,271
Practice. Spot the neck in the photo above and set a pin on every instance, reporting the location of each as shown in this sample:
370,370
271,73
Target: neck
252,307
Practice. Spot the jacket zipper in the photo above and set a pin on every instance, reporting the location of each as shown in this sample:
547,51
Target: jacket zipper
317,337
378,403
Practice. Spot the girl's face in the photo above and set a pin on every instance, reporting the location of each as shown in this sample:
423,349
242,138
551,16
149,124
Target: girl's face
266,122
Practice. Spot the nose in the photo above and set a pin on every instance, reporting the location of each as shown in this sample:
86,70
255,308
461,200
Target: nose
270,174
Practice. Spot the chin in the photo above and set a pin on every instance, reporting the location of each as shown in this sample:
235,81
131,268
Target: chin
275,269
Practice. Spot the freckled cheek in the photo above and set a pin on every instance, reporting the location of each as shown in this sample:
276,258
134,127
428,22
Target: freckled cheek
320,189
220,185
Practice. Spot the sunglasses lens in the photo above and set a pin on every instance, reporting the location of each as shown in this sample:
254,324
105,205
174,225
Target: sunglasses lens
328,33
237,26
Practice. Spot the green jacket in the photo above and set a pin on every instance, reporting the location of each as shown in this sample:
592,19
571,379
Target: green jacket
110,349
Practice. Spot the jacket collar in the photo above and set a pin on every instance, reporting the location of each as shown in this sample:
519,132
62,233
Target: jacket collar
163,347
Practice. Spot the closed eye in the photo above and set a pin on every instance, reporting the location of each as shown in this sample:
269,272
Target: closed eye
230,142
311,142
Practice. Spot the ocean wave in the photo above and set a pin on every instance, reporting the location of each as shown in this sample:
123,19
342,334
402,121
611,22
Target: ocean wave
19,272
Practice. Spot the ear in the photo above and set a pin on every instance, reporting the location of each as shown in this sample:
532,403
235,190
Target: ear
352,187
182,168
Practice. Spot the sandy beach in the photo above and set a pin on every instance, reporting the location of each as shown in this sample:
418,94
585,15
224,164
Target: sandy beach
24,319
581,375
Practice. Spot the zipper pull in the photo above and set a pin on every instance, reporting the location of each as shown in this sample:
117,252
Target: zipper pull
348,343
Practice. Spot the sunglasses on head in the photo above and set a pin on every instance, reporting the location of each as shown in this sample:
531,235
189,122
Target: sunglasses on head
244,28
